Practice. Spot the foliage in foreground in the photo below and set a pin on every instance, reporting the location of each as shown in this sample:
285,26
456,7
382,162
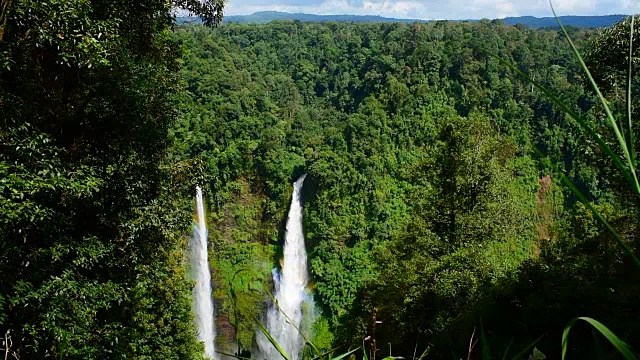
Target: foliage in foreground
90,223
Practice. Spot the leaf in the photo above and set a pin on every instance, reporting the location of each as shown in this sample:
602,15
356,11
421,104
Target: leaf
324,354
271,339
486,353
504,357
306,339
629,73
345,354
522,353
424,353
537,355
622,347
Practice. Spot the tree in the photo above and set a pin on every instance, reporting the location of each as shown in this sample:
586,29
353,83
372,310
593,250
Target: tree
469,211
90,232
608,59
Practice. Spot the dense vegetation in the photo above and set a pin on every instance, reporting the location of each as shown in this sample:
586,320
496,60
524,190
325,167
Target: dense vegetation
432,209
91,219
427,206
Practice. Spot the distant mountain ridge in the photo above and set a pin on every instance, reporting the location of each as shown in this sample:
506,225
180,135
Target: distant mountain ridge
577,21
262,17
267,16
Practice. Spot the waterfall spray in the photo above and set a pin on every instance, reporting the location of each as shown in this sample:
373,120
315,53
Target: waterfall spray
202,301
290,284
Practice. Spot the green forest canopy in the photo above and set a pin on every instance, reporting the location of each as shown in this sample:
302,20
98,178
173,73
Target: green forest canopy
427,203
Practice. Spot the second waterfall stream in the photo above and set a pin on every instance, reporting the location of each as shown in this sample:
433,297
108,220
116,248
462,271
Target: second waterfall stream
290,286
202,301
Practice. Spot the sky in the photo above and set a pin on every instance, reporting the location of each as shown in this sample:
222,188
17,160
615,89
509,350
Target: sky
437,9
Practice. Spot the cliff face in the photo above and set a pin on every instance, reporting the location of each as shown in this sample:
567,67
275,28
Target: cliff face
244,238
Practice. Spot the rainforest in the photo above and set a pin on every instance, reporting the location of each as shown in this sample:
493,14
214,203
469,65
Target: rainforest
376,190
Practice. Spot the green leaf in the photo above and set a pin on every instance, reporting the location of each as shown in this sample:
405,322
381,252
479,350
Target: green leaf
629,73
345,354
306,339
628,173
424,353
486,353
504,357
324,354
526,350
272,340
537,355
622,347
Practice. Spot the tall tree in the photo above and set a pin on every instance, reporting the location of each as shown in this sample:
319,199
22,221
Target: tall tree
89,229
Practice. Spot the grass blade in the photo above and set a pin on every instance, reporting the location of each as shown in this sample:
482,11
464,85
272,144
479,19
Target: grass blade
486,353
504,357
612,121
345,354
289,321
629,73
424,353
622,347
364,352
339,356
526,350
324,354
271,339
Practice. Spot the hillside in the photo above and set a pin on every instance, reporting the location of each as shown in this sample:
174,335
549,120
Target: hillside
421,158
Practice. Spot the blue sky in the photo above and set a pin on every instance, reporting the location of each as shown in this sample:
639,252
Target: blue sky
437,9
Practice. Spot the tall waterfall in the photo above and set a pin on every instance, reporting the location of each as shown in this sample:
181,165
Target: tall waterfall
290,284
202,302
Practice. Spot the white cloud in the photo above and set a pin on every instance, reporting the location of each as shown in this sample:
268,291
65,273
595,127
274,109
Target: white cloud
580,6
437,9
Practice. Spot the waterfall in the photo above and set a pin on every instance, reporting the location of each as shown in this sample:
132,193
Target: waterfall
202,301
290,287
